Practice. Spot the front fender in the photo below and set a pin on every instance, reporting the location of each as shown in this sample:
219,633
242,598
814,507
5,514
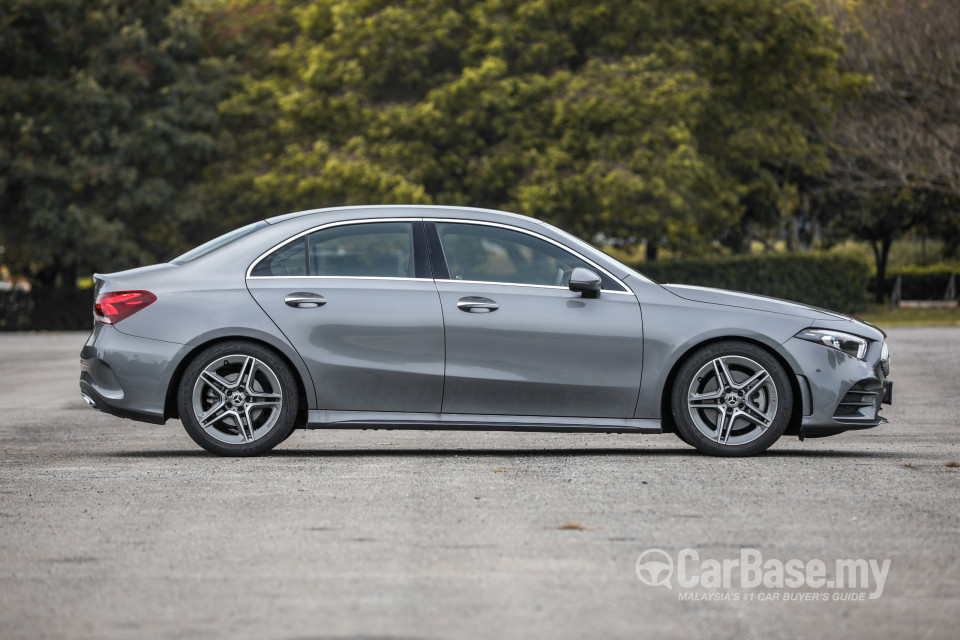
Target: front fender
674,327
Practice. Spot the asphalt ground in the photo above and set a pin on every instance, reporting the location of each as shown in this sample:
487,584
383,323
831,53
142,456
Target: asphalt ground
116,529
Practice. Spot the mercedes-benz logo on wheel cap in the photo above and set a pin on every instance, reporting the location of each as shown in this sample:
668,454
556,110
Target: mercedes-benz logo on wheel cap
655,568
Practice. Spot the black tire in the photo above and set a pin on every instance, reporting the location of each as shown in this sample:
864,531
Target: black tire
682,437
731,398
238,398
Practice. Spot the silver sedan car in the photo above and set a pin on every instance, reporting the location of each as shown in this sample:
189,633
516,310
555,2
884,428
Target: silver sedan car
456,318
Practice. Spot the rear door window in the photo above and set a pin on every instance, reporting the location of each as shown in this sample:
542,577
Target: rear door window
365,250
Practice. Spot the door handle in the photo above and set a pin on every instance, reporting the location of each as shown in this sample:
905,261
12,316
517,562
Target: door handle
477,304
304,300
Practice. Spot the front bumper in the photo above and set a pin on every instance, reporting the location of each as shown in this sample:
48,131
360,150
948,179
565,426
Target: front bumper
128,376
838,391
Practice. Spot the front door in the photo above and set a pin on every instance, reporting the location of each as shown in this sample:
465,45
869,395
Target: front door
519,342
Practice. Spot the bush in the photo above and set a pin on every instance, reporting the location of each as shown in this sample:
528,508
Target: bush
831,282
922,283
46,310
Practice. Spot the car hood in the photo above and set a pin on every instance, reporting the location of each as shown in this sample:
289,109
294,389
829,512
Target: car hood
763,303
752,301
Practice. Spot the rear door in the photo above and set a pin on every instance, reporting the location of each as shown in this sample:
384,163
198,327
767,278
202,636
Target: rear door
358,302
518,341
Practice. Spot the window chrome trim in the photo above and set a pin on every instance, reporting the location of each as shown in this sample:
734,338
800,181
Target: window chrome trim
626,291
342,278
535,235
328,225
521,284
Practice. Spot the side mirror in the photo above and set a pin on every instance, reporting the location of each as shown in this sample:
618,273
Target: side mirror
586,282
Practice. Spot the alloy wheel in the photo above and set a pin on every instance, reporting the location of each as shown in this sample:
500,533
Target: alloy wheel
732,400
237,399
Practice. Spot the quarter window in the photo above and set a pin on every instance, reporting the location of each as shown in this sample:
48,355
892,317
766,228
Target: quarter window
493,254
289,261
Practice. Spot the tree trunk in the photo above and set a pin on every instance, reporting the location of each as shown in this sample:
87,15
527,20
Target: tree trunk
881,253
68,278
651,251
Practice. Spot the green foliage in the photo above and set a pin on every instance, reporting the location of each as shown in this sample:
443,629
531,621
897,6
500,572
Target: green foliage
831,282
885,316
130,129
665,121
107,118
923,283
46,309
16,311
896,150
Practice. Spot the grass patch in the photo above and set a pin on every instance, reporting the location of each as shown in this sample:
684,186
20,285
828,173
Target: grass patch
886,316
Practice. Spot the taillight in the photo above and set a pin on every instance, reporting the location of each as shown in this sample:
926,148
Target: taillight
113,307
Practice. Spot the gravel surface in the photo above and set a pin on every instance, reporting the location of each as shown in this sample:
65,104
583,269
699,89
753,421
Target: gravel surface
115,529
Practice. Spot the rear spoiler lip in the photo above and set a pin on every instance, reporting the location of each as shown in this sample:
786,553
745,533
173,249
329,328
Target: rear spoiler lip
99,280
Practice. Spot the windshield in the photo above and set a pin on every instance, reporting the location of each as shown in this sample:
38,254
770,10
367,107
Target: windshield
596,253
216,243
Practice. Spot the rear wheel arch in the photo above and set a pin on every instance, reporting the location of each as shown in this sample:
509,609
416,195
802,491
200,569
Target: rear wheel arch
170,409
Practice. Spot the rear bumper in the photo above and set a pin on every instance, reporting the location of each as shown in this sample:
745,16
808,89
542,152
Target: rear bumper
127,376
96,401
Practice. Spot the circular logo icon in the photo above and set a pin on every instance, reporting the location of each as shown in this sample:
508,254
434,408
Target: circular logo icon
655,568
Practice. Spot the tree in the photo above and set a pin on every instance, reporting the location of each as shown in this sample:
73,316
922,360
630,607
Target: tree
107,118
896,149
642,120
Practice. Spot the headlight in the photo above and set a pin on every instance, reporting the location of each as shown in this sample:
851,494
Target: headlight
885,360
851,345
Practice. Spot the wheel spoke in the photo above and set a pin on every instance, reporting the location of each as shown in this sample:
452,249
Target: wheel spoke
724,424
717,406
259,397
702,397
753,382
246,372
246,375
246,412
724,379
755,415
259,404
213,415
215,382
705,399
242,427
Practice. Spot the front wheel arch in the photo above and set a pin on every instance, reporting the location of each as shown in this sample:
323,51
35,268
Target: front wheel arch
666,410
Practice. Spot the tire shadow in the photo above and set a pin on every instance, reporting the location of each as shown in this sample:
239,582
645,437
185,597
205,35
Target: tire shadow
522,452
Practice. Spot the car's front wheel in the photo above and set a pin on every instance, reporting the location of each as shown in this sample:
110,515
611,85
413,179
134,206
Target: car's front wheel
238,399
731,398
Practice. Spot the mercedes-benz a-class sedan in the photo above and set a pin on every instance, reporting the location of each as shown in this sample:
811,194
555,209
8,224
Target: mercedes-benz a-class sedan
456,318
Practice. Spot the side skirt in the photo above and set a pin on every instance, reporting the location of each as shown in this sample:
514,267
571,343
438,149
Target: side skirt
470,422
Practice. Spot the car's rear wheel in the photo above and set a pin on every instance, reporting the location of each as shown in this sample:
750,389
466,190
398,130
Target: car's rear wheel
682,437
731,398
238,399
